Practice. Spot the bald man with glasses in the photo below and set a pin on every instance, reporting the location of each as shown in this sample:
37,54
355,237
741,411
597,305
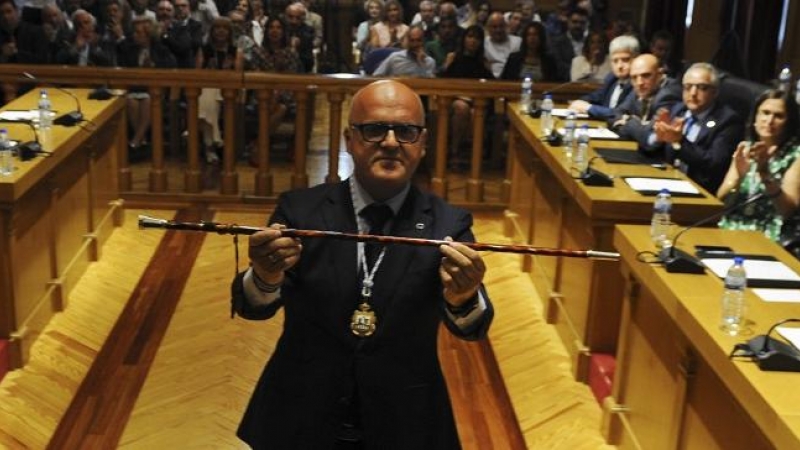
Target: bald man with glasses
356,366
700,134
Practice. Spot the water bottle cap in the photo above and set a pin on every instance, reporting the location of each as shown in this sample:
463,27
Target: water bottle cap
738,260
548,96
664,191
3,130
43,92
584,127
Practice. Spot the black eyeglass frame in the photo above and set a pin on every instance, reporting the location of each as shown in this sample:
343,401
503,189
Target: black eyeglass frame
385,127
702,87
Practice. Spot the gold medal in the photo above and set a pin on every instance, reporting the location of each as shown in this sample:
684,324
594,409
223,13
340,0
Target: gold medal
363,322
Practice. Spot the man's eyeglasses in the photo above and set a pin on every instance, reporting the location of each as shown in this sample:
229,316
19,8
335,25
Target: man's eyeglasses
376,132
700,87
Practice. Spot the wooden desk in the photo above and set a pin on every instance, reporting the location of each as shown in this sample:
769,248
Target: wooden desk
549,208
55,212
674,384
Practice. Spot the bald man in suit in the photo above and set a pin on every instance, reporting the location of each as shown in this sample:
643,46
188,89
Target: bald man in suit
356,366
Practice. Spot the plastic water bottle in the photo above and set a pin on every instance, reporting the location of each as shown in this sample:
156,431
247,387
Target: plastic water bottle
6,157
45,117
785,79
569,129
546,118
581,158
525,96
659,226
734,306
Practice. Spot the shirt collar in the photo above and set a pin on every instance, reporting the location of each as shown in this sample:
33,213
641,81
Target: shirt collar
361,198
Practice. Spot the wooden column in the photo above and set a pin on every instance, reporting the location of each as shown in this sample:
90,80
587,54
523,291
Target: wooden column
438,181
301,127
335,100
230,179
158,176
475,184
263,180
192,179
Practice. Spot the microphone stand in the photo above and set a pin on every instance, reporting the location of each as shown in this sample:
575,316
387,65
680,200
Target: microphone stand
69,119
593,177
679,261
28,150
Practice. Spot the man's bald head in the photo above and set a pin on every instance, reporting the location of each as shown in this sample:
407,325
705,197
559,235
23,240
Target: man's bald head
385,92
646,75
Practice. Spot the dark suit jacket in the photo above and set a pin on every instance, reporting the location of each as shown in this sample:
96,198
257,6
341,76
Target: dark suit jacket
637,129
601,97
709,156
318,362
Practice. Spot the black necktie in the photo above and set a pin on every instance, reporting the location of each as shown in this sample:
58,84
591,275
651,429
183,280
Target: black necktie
376,214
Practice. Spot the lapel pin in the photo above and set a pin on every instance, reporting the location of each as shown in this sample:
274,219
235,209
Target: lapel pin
420,226
711,124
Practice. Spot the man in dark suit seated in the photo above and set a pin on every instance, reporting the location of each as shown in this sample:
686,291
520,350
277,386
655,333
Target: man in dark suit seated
701,133
652,92
616,87
356,365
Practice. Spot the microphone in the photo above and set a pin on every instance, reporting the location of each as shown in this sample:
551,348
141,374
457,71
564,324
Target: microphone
593,177
770,354
679,261
69,119
537,112
28,150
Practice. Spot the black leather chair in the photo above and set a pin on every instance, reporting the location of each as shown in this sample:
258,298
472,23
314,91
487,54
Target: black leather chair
739,93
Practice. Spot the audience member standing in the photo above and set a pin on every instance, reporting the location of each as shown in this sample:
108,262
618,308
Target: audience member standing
467,62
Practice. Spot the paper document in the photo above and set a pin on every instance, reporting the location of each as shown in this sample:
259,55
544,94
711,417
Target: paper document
642,184
778,295
760,272
19,115
564,112
791,334
596,133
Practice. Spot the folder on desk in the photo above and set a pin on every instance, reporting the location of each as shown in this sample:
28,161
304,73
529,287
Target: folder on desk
763,271
625,156
652,186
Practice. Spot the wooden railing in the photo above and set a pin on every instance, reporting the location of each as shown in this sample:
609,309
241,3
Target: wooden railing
165,85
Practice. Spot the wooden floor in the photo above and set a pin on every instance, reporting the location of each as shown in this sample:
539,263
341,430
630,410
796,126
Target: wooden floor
145,355
189,391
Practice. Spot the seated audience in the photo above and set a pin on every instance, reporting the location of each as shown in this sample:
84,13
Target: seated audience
84,48
616,87
374,10
652,91
700,132
499,45
411,62
427,19
467,62
532,59
301,36
565,46
390,31
448,36
592,65
766,163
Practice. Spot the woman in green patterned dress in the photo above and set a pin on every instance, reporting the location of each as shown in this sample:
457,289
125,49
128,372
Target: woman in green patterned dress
767,163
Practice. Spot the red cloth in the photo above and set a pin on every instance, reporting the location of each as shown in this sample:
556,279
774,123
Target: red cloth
601,375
